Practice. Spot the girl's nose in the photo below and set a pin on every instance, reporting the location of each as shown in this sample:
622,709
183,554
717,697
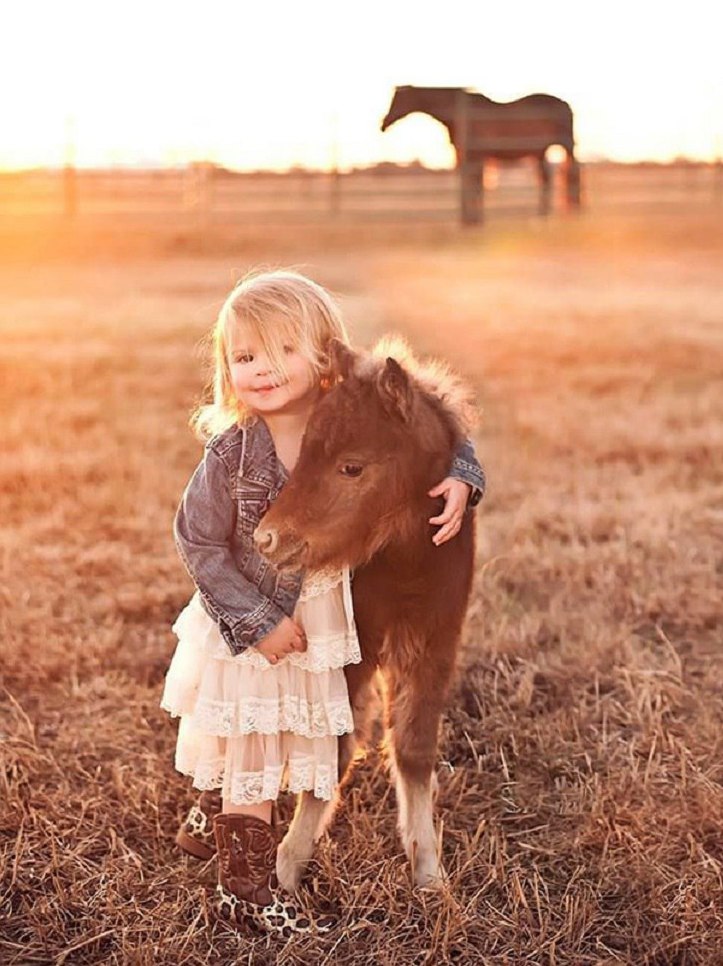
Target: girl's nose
262,365
267,371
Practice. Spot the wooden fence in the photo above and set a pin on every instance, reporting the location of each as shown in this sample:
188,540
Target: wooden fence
208,195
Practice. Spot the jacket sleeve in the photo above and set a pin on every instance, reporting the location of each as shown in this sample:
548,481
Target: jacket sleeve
203,527
466,467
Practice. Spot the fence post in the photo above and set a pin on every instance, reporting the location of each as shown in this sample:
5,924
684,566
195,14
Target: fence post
70,191
70,180
470,172
197,191
205,188
335,176
335,192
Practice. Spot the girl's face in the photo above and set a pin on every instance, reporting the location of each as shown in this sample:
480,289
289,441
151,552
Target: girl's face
258,387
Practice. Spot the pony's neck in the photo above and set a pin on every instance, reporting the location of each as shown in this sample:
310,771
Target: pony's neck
412,542
412,538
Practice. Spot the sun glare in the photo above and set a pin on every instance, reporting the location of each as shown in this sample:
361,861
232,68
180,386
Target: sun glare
419,137
234,85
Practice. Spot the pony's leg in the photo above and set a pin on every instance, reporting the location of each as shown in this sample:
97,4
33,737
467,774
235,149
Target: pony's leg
310,818
312,815
362,699
414,709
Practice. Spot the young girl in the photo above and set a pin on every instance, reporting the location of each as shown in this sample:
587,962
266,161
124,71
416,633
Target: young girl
257,678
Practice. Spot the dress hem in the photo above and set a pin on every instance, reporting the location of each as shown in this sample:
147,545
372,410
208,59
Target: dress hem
252,788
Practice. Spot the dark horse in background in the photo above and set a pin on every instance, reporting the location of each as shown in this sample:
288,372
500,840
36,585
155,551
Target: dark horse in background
482,129
376,442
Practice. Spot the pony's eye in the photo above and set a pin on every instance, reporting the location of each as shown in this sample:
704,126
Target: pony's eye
351,469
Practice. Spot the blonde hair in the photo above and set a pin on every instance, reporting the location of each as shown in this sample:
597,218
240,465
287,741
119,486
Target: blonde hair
279,307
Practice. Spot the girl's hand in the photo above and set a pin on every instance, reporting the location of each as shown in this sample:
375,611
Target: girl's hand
455,493
287,637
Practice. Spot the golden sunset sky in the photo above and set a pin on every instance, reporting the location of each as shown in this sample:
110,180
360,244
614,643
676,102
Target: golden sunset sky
276,84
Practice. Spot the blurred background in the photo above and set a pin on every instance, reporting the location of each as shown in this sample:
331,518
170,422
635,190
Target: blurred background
151,154
250,115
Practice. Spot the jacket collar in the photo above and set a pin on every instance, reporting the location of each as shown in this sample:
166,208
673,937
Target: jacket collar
260,462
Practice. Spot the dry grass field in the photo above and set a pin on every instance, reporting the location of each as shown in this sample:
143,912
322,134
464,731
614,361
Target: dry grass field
581,760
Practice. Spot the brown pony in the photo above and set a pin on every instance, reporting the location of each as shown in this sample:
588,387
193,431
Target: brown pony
376,442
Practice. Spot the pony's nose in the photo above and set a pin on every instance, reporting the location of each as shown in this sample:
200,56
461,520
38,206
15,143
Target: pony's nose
266,540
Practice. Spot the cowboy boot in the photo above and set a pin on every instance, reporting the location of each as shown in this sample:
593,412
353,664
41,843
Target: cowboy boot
195,836
248,892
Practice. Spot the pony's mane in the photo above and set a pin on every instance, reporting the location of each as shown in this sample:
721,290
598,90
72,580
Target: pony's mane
434,376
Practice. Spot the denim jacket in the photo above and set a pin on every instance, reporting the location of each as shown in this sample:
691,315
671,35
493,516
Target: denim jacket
237,480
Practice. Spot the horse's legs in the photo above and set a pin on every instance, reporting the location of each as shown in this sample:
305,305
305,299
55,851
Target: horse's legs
313,815
544,169
572,179
414,709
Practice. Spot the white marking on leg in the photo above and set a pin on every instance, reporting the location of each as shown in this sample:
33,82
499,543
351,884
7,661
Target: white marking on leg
311,817
416,827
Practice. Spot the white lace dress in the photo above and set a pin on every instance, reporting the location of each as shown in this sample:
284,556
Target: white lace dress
252,728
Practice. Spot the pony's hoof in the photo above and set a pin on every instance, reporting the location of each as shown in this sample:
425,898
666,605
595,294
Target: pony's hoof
431,877
289,870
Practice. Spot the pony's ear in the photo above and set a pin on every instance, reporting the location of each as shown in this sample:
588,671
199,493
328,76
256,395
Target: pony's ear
341,360
395,390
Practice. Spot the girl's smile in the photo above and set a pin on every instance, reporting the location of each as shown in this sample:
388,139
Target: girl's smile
256,384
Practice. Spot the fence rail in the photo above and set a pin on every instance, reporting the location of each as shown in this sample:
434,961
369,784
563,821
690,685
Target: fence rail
212,195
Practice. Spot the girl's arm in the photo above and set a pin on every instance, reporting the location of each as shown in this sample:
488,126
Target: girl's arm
462,489
203,527
466,467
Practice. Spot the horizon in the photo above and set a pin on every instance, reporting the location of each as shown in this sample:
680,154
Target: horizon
140,168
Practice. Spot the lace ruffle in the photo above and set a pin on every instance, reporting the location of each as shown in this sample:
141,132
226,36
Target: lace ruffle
320,581
326,651
251,787
252,728
267,716
323,654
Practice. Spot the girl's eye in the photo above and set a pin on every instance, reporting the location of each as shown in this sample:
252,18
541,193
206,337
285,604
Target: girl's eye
242,357
351,469
288,349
